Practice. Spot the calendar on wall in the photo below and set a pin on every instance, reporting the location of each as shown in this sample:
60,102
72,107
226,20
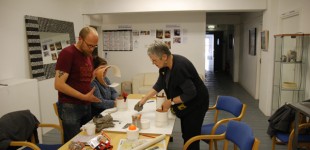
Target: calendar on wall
117,40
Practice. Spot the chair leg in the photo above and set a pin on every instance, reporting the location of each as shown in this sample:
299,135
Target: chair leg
215,145
273,142
235,147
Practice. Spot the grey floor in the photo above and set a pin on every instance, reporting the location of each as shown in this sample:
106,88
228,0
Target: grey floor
218,84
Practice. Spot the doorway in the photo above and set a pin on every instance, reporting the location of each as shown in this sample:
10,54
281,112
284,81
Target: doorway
209,61
214,51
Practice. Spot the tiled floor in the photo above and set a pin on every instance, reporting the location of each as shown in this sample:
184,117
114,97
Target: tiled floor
221,84
218,84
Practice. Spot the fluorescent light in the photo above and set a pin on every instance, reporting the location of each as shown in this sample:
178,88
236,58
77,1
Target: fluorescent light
211,26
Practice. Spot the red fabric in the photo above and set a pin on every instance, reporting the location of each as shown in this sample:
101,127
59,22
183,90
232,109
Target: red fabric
80,68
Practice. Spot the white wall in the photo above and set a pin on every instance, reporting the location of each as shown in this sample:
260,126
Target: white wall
20,94
192,25
249,64
14,59
271,22
14,62
124,6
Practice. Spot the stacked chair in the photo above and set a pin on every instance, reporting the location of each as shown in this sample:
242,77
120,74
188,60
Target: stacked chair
231,107
239,133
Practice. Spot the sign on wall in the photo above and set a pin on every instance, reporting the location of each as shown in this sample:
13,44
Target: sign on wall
117,40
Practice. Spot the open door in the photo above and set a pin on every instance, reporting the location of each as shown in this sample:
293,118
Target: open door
218,50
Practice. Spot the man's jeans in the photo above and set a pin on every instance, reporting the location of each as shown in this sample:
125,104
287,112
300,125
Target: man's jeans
73,116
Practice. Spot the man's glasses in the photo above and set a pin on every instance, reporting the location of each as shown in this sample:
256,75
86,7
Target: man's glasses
90,46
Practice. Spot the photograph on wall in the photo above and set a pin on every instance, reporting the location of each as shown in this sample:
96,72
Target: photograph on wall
144,32
264,40
159,34
167,34
168,43
46,53
135,33
58,45
252,41
44,47
54,56
176,40
52,47
177,32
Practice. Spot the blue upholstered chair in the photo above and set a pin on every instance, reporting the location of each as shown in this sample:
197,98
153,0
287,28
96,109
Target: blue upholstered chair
287,138
231,107
237,132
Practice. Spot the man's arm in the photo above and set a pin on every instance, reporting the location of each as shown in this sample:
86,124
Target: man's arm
61,85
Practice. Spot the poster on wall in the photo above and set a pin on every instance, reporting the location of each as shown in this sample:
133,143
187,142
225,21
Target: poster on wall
43,51
52,44
128,39
118,40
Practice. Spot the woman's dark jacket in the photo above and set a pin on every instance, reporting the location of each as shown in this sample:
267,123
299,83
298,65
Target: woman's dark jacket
184,81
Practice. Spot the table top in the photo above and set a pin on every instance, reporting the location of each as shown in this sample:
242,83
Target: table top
115,138
117,133
303,107
148,113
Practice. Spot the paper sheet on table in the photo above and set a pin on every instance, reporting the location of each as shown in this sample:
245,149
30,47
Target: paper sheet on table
114,85
125,144
83,138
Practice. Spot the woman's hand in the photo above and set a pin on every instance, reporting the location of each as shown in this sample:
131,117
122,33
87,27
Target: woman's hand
166,105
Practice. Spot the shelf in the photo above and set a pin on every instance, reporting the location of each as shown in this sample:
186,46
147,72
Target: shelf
284,89
289,62
290,69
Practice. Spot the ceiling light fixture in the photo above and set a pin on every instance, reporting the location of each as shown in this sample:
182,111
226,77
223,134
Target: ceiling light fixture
211,26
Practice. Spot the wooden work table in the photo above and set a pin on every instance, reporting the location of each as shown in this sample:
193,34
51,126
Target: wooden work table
116,134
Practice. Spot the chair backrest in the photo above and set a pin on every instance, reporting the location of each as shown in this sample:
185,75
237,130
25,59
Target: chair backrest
19,127
303,138
240,134
237,132
229,104
22,122
55,105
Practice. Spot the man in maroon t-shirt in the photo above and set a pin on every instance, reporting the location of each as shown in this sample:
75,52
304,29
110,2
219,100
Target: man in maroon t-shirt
74,73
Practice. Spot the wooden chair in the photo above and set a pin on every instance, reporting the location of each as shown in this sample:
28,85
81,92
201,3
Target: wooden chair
32,144
224,104
287,138
19,128
55,105
237,132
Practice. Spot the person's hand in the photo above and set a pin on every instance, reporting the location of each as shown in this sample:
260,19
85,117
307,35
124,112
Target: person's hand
91,97
138,107
166,105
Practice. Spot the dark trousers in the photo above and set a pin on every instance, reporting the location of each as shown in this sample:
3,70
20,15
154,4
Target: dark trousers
191,126
73,117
